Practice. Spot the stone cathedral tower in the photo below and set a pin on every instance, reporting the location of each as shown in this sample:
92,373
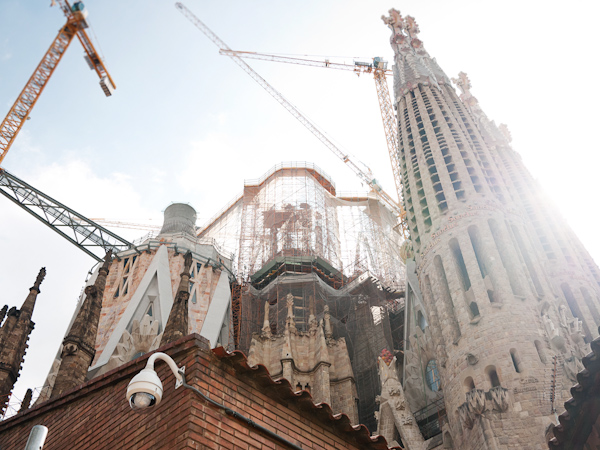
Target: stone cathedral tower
505,297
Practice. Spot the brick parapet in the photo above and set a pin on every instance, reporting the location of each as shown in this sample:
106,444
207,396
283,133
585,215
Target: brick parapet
96,414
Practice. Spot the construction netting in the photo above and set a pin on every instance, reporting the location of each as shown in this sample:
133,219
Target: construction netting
291,234
360,312
293,212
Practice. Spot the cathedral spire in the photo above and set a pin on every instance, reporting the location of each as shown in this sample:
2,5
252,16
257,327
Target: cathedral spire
14,335
413,65
29,302
177,324
78,346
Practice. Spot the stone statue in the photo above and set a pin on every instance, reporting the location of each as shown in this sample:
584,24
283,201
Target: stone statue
266,329
549,325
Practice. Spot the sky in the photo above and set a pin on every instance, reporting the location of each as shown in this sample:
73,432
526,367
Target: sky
185,124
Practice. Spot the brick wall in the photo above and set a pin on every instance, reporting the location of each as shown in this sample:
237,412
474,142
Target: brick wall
97,416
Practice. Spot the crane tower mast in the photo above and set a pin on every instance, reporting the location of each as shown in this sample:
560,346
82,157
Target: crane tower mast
20,110
380,71
366,177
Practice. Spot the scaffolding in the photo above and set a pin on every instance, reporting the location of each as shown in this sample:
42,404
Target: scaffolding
357,314
292,234
292,217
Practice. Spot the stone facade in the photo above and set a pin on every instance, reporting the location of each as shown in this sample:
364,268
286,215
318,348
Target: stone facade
505,296
78,346
14,334
97,416
313,360
394,412
177,324
140,289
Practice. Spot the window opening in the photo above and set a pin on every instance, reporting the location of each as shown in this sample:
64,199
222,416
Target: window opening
460,264
469,384
540,351
422,321
515,360
493,376
432,376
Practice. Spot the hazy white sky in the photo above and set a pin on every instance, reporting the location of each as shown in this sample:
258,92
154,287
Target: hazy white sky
186,124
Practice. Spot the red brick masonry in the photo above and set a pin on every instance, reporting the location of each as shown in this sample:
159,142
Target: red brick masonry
96,415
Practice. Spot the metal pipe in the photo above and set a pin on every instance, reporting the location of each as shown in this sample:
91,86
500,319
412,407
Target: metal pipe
37,437
240,417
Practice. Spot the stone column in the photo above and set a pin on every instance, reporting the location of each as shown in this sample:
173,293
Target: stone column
79,344
177,324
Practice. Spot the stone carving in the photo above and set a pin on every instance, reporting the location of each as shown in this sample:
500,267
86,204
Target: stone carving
395,391
143,338
413,380
549,326
289,321
327,323
466,419
266,329
579,345
572,366
413,63
568,340
472,359
505,132
392,400
399,404
562,317
476,401
499,398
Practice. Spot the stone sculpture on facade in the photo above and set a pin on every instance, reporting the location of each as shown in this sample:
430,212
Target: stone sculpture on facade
177,325
312,360
394,412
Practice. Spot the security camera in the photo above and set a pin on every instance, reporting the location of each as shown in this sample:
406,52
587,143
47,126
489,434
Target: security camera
145,389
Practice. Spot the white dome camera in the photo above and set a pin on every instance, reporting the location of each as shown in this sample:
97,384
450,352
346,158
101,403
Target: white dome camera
145,389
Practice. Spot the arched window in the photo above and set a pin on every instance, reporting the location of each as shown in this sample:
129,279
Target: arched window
540,350
474,309
514,356
492,375
432,376
469,384
421,321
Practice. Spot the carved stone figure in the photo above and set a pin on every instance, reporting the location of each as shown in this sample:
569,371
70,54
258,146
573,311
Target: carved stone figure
562,317
572,366
476,401
549,325
499,398
392,399
466,419
266,329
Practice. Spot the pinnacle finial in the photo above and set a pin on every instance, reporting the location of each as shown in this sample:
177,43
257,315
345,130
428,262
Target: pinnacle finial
463,83
394,20
187,262
107,261
505,132
39,279
411,27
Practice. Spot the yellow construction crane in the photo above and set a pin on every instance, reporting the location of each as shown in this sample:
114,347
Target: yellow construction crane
378,67
365,176
20,110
